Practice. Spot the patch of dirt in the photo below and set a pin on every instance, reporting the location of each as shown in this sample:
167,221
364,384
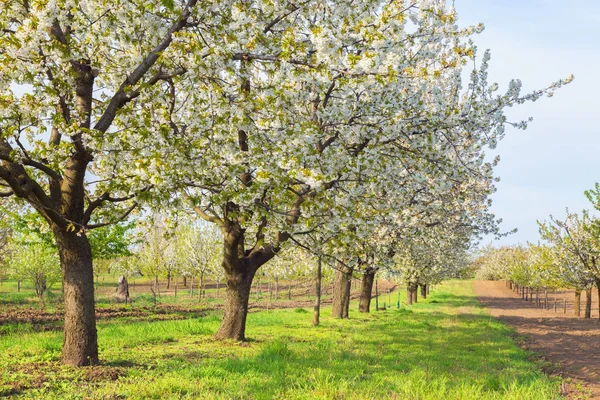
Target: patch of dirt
569,342
103,373
42,320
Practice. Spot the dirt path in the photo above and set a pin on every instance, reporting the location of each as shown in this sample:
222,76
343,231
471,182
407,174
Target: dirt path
570,342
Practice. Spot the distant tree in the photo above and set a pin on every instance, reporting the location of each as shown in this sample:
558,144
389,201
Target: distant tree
110,244
5,233
36,262
576,239
111,241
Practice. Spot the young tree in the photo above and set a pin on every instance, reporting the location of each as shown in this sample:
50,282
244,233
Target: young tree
5,234
154,248
576,239
34,261
198,251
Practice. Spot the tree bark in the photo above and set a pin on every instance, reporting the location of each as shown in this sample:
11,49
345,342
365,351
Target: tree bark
366,290
237,294
80,343
588,304
317,307
240,267
409,295
423,291
414,293
176,283
598,288
341,292
577,305
201,286
376,296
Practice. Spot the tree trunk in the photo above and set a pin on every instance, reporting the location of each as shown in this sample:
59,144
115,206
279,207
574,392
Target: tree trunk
376,296
184,281
154,290
366,290
414,293
409,296
423,291
270,288
168,279
80,343
201,286
598,287
237,294
240,269
40,286
18,286
341,292
317,307
577,305
588,304
176,283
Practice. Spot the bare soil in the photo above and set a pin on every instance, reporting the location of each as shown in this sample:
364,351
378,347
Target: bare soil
43,320
570,343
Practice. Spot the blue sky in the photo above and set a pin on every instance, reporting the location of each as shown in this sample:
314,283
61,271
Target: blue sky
547,167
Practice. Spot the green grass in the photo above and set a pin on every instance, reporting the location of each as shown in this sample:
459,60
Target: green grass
445,347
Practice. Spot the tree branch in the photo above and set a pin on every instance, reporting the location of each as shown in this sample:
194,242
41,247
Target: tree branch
121,218
121,98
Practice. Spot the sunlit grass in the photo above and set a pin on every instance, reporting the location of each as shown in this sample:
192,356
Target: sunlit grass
445,347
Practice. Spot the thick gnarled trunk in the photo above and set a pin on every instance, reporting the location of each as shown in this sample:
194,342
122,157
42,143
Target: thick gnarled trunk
237,294
341,292
366,290
240,267
80,344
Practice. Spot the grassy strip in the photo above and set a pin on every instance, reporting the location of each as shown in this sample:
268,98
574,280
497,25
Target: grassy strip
443,347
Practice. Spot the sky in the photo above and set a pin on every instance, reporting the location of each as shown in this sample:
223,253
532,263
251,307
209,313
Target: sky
547,167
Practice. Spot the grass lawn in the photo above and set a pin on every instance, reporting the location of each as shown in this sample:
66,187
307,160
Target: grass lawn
445,347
